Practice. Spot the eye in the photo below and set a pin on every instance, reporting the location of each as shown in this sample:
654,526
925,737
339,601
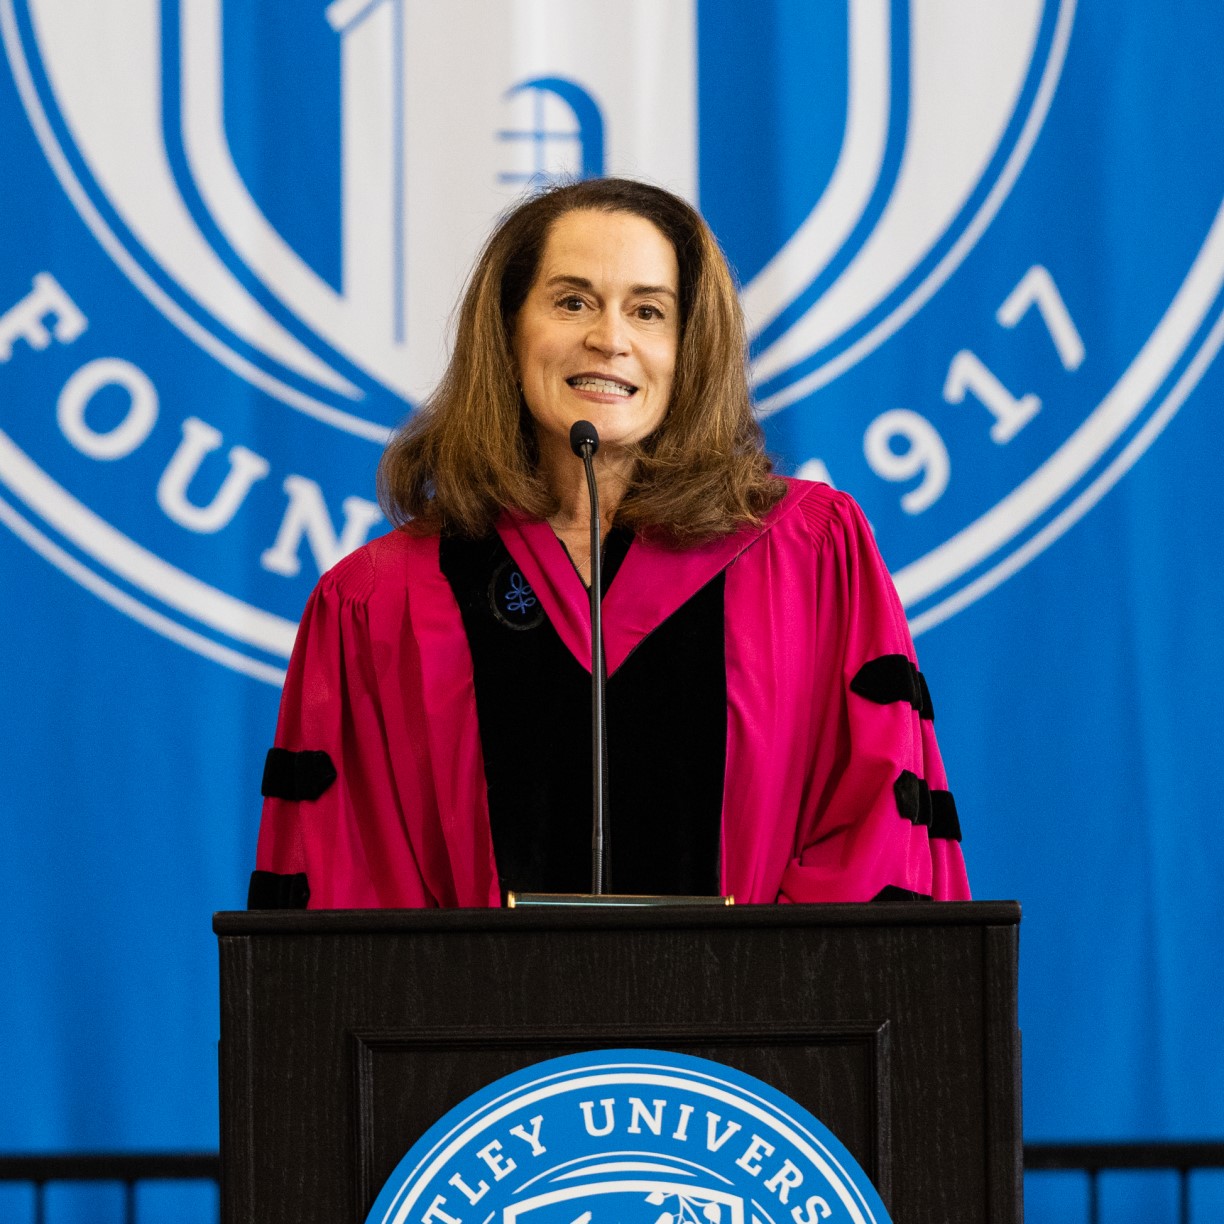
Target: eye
649,312
571,303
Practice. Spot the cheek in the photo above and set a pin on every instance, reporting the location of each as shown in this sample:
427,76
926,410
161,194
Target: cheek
536,358
666,365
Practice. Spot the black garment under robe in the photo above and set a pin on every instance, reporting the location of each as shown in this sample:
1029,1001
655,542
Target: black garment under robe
667,727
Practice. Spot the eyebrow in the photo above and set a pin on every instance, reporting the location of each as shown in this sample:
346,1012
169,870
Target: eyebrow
581,282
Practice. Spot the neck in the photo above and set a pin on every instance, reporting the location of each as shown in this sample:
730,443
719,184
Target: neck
566,477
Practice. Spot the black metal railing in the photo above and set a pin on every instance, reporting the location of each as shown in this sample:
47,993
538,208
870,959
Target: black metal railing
1093,1159
128,1170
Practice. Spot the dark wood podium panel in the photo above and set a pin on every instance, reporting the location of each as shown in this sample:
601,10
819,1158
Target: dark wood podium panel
346,1035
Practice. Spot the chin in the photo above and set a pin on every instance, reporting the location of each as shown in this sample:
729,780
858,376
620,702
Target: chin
615,431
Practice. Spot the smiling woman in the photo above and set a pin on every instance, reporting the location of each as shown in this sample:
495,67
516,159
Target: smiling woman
474,450
769,733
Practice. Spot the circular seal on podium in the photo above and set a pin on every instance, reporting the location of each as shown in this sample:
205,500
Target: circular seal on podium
628,1137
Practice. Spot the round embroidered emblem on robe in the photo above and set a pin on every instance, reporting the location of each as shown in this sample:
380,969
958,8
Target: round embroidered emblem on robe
513,601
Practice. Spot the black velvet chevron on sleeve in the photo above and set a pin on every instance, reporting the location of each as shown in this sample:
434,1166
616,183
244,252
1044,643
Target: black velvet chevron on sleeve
890,892
944,820
892,678
272,890
296,775
920,805
913,798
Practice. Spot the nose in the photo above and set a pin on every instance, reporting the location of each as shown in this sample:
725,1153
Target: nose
608,334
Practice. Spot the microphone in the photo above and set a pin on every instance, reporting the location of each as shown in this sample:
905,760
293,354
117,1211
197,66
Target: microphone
583,435
584,442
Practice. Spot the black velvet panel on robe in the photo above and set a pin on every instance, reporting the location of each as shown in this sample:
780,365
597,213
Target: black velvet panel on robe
667,733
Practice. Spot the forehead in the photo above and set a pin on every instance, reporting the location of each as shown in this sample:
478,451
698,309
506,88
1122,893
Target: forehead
617,248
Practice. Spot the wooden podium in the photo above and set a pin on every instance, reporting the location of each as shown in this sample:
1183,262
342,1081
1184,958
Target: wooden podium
345,1035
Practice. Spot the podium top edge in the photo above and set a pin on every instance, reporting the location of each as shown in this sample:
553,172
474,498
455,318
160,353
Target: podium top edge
506,921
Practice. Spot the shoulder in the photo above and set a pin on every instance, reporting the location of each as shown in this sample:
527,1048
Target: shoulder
381,569
815,516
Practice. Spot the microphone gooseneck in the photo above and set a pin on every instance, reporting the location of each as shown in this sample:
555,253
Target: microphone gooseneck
584,441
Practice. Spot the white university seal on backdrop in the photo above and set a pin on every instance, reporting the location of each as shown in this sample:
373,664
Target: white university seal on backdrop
244,231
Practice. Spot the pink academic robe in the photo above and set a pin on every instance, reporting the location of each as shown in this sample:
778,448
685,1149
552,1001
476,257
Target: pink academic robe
381,679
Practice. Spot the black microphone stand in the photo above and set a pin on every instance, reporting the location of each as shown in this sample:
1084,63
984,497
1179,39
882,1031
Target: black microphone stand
584,442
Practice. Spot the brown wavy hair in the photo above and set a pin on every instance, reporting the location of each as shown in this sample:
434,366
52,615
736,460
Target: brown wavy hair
470,451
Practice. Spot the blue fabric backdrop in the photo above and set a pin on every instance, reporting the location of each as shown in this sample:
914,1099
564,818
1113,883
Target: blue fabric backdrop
982,254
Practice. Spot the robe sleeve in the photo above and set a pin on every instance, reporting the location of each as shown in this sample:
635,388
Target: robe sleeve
877,819
334,834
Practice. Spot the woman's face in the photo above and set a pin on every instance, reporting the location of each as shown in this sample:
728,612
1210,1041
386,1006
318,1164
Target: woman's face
597,336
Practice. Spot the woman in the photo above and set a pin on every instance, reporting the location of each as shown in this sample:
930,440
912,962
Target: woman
769,734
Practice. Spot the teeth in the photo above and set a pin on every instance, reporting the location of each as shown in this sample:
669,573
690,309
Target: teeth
604,386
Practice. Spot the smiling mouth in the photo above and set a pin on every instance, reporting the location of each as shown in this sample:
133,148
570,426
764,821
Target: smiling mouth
601,386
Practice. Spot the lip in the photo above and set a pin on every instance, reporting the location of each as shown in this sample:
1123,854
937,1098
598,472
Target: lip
602,397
